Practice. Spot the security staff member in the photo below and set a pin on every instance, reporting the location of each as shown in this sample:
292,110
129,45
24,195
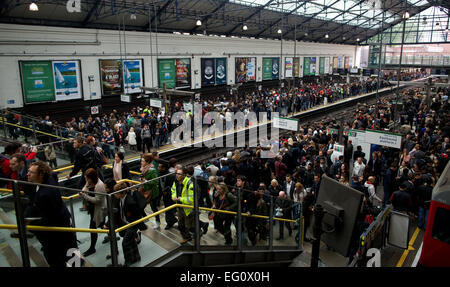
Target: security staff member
183,193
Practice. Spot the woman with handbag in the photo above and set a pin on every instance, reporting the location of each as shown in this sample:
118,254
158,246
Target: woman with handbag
150,190
96,205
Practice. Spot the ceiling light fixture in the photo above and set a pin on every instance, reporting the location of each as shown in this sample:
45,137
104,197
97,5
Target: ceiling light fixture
357,40
279,31
406,15
33,6
199,23
326,36
244,27
306,34
133,16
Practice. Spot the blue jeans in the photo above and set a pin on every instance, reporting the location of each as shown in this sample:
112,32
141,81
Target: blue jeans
421,223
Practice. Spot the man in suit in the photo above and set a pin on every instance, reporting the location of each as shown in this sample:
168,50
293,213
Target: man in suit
131,205
284,205
289,186
48,209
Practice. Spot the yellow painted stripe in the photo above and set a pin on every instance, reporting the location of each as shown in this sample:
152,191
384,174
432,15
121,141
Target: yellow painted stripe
410,247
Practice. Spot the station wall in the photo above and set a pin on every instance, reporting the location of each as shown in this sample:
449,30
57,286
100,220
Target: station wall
27,42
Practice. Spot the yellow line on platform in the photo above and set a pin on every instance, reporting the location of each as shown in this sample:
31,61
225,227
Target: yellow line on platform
406,252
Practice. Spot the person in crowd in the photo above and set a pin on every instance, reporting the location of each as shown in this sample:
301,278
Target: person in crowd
50,155
150,189
120,167
283,206
222,222
258,226
48,209
96,205
131,206
298,197
165,183
84,159
290,186
358,167
131,138
371,192
146,138
401,199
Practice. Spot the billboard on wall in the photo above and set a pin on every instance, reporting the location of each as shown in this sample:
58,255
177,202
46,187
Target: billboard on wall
296,67
67,79
110,73
270,68
183,67
288,65
309,66
221,71
245,69
322,65
327,65
208,72
133,77
167,73
335,64
340,63
37,81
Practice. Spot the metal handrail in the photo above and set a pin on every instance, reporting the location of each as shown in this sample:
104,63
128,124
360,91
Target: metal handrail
54,229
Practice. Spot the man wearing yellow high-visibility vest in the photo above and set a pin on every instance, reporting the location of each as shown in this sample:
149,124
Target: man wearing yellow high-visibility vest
183,193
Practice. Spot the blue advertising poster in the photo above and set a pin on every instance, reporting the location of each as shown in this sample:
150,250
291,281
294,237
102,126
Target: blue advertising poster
67,80
132,76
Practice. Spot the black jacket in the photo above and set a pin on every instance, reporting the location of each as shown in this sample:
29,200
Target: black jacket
84,160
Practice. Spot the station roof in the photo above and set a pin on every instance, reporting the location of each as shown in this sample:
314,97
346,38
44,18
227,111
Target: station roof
326,21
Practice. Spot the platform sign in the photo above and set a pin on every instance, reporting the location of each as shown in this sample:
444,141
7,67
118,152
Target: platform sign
285,123
125,98
358,138
37,81
156,103
384,138
94,110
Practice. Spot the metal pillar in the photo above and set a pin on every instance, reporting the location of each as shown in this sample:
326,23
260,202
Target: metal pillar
271,223
379,63
239,220
317,232
21,225
398,73
196,215
112,232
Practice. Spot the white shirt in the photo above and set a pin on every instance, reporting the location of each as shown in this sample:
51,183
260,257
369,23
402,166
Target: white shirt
358,169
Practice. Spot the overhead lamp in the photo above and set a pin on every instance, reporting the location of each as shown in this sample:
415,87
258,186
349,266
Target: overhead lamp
357,40
133,16
199,23
446,29
406,15
343,38
245,28
279,31
326,36
33,6
306,34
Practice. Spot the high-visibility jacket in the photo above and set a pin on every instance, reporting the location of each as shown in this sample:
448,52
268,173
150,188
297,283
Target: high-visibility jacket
187,194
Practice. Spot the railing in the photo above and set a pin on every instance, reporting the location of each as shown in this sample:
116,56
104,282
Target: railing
421,60
112,231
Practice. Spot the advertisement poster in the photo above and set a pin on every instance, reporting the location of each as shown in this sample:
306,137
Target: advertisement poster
111,80
241,70
313,67
340,63
267,69
208,72
251,72
296,67
183,73
322,65
275,68
167,73
327,65
346,63
132,76
67,80
288,65
335,64
221,71
37,81
306,66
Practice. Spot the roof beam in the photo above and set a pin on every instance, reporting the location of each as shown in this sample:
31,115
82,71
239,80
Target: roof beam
259,9
89,15
160,10
308,19
343,12
389,25
222,4
279,20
